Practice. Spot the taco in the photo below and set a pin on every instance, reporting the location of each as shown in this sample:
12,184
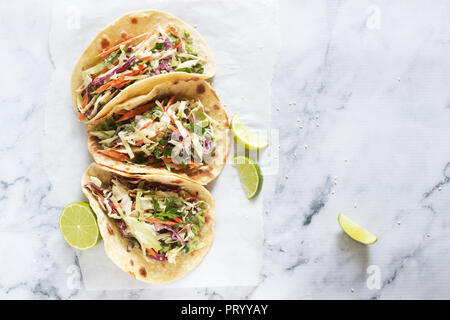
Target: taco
155,227
178,126
135,48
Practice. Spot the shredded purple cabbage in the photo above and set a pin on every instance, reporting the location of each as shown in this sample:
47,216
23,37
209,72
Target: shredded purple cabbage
159,257
132,244
175,235
163,187
123,227
125,180
99,81
111,205
167,44
195,199
164,65
208,146
94,186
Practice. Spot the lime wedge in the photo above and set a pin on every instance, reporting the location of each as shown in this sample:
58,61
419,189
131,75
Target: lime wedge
78,226
200,117
355,231
250,175
245,136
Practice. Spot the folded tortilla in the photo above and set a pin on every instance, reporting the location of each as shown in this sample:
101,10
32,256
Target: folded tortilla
195,122
153,44
111,196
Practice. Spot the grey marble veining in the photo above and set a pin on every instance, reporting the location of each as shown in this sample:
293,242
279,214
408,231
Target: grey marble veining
360,98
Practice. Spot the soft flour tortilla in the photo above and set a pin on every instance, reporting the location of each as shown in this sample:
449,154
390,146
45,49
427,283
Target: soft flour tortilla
181,86
132,261
128,26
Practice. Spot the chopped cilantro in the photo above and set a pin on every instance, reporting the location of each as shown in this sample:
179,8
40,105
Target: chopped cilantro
105,125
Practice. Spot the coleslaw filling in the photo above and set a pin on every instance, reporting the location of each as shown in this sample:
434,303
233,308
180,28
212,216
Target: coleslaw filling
177,135
164,50
163,220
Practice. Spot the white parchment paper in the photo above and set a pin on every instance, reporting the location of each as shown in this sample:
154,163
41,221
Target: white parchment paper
243,38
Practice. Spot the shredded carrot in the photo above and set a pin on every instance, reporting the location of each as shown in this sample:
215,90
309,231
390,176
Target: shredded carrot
81,117
133,72
147,124
171,127
106,69
145,58
175,32
169,223
150,251
117,46
170,102
103,87
133,206
172,119
134,112
115,154
85,101
119,82
176,219
192,164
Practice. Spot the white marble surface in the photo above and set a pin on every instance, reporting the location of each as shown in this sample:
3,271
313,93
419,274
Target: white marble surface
370,84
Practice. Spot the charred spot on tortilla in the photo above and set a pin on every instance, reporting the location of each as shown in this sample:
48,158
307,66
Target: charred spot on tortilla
110,230
132,274
175,81
134,20
105,43
143,272
216,107
124,35
200,89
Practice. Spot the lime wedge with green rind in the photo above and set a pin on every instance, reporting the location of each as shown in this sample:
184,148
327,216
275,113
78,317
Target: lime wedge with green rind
78,225
200,118
245,136
355,231
249,174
